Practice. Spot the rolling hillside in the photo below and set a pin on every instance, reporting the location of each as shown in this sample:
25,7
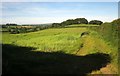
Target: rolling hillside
66,40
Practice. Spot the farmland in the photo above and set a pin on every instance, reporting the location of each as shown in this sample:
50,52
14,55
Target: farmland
39,38
48,40
60,43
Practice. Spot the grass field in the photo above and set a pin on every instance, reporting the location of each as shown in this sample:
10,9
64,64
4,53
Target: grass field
82,25
68,41
48,40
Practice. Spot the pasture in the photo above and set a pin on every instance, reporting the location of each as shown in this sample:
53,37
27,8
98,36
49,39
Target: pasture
68,41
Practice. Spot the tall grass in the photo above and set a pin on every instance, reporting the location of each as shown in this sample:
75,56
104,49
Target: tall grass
64,39
68,40
109,33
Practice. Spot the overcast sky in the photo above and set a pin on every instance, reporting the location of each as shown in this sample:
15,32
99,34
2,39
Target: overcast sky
49,12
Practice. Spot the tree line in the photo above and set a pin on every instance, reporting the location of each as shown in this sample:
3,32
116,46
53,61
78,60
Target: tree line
76,21
15,29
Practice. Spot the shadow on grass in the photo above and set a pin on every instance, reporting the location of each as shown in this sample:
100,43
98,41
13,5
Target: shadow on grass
21,60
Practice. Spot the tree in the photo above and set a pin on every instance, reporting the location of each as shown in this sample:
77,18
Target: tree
23,30
97,22
11,24
69,22
80,21
14,30
56,25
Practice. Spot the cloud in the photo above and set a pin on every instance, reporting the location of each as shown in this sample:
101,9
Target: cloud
38,20
45,12
42,12
102,18
33,20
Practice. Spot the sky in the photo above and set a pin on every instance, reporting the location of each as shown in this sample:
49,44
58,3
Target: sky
56,12
59,0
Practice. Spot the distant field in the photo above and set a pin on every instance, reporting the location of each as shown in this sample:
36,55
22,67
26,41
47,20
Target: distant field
67,40
81,25
25,26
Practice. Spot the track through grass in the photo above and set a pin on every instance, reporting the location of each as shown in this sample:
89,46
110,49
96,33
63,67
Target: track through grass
67,40
93,44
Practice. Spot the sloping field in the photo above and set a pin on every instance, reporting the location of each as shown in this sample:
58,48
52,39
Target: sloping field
68,41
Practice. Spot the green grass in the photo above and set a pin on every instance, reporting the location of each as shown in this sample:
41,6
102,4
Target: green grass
81,25
95,43
21,60
64,39
67,40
